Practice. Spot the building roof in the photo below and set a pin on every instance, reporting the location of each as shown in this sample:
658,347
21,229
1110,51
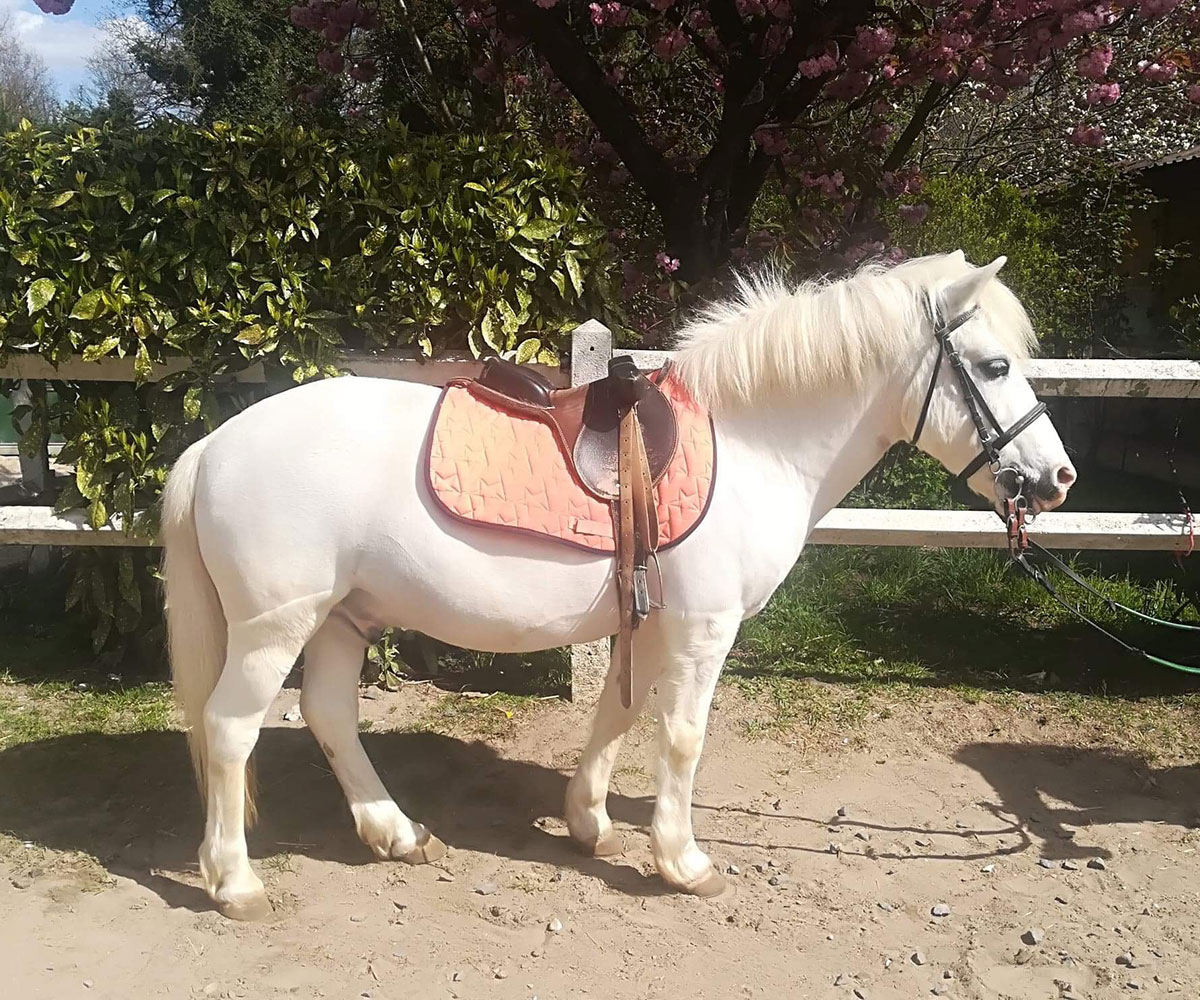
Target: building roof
1179,156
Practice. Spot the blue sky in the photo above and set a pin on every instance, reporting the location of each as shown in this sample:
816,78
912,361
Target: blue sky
65,41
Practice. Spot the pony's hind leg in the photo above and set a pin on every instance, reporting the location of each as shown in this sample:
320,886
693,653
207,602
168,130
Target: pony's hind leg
587,792
329,702
260,654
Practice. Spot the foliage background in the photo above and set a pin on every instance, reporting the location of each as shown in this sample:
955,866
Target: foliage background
229,246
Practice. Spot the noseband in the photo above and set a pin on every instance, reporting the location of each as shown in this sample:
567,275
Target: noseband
992,437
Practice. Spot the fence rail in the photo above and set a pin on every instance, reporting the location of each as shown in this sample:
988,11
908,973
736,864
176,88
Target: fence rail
591,348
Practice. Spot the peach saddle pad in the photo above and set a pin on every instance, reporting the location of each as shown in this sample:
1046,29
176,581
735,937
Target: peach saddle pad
491,467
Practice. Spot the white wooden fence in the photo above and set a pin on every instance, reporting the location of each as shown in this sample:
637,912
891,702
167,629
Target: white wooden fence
591,348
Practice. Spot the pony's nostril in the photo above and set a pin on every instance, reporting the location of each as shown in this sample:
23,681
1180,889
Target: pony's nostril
1065,476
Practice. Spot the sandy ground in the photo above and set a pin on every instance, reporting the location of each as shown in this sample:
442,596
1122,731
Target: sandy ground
974,807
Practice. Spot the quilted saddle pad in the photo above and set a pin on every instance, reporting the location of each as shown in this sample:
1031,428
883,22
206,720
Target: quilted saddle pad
488,466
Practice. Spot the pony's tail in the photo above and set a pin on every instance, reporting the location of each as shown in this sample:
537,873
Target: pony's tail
196,626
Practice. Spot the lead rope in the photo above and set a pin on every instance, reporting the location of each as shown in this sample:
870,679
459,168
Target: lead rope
1019,542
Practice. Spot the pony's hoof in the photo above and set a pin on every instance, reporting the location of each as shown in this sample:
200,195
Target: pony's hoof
431,850
246,907
610,845
708,885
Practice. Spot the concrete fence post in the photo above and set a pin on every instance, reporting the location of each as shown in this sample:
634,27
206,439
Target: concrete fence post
591,349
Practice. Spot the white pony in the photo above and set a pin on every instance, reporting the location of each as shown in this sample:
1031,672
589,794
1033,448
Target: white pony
305,524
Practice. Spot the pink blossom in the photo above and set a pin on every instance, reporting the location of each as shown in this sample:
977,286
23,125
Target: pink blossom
828,184
749,8
1157,8
670,44
860,251
363,71
781,9
1193,93
1088,135
718,84
699,19
1155,72
518,83
913,214
818,65
598,14
545,4
474,20
1105,94
870,45
614,75
879,134
776,38
770,140
667,263
1093,64
849,85
330,61
310,16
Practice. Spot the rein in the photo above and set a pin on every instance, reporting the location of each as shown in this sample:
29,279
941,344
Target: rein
993,437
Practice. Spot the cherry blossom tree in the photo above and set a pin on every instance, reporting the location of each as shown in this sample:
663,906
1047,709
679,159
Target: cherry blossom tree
739,122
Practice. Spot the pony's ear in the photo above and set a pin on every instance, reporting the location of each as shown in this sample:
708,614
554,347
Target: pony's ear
963,293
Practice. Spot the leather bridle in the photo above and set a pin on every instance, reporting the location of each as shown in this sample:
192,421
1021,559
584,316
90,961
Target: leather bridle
992,436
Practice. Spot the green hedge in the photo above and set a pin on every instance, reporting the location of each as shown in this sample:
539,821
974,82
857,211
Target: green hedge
232,245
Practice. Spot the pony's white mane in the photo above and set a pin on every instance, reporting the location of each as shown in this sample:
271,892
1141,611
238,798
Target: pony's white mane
768,338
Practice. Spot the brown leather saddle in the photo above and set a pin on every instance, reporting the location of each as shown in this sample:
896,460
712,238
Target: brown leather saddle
618,436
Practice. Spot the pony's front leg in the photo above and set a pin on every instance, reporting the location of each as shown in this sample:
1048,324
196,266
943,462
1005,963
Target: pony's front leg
587,791
329,703
694,655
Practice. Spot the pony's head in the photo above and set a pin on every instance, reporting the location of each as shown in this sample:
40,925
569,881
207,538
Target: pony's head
953,408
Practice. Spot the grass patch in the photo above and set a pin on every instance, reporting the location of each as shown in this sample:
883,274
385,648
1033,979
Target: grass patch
39,699
493,716
851,629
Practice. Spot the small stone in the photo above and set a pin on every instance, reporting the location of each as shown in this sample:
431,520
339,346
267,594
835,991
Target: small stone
88,984
497,911
1047,863
456,978
292,714
445,877
948,974
1061,899
487,889
20,882
918,958
1134,984
1024,956
940,990
841,979
988,869
886,907
500,973
774,880
777,804
356,918
1071,866
1125,959
555,926
370,694
537,953
862,835
834,848
842,811
772,863
1034,935
923,842
940,910
1099,864
732,870
860,994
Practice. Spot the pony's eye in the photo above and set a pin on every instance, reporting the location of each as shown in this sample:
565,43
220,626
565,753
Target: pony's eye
995,368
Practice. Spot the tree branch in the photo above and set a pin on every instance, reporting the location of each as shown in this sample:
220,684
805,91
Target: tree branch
574,66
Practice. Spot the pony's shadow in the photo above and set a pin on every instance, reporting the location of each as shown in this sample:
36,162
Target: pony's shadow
1057,791
129,801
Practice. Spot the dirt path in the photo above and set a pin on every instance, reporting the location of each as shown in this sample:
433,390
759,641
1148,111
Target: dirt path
823,905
